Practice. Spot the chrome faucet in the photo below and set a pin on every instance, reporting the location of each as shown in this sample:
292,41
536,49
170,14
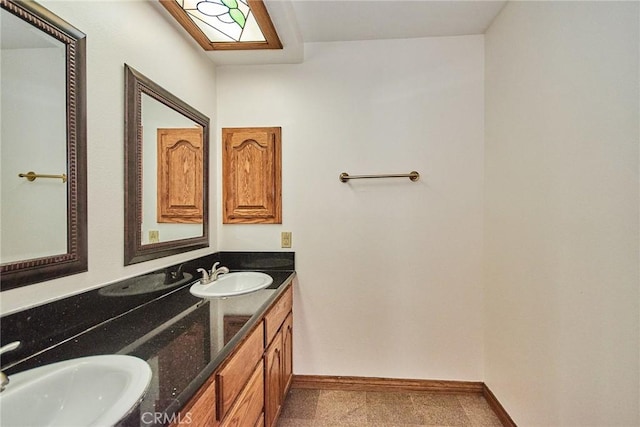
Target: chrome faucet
4,379
212,276
215,272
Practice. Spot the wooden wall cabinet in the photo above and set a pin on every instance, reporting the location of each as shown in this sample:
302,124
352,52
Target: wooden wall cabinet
252,175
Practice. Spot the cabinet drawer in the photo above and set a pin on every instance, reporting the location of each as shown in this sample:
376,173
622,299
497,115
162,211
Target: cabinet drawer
248,407
277,314
237,370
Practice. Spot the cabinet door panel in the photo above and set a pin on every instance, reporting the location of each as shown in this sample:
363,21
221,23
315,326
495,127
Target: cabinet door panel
287,354
273,379
251,173
180,165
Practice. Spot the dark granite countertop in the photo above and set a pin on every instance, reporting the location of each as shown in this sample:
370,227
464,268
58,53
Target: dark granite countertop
184,350
182,337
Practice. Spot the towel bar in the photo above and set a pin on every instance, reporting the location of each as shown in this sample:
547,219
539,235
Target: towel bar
413,176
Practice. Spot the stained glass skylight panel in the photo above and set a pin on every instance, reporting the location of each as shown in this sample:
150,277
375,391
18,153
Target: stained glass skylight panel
226,24
223,20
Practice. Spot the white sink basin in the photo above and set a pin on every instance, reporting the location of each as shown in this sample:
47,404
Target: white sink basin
88,391
231,284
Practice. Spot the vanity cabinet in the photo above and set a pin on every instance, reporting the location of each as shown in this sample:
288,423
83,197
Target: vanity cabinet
249,387
278,356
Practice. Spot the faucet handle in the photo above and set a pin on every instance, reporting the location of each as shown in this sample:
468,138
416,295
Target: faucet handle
215,266
205,276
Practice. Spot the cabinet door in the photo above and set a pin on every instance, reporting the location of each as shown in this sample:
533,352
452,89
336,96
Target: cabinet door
287,354
251,175
273,380
180,166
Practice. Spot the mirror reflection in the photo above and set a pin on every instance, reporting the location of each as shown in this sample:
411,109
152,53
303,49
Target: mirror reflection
42,146
166,174
171,174
33,88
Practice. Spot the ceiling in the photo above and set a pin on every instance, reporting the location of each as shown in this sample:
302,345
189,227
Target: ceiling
349,20
308,21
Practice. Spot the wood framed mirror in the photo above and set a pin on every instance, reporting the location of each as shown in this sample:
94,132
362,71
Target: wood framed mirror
166,172
44,189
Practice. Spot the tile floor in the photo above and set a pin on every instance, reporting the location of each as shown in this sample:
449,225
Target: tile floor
333,408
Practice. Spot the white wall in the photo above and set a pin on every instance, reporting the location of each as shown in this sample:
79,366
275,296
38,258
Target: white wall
142,35
561,219
389,270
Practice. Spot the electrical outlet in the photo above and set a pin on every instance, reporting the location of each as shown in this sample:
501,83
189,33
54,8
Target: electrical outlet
154,236
285,238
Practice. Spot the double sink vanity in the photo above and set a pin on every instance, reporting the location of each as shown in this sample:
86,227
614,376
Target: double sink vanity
215,361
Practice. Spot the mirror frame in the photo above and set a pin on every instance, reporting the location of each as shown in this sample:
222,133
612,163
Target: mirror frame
134,251
27,272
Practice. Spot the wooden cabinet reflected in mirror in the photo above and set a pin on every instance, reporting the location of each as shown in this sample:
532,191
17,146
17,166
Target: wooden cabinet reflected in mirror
180,175
43,135
166,172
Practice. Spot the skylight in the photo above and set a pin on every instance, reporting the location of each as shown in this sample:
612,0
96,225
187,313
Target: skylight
226,24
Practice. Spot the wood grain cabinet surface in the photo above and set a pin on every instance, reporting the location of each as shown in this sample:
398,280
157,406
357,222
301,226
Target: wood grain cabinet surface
287,354
235,373
180,165
277,314
252,175
273,380
201,411
278,358
248,408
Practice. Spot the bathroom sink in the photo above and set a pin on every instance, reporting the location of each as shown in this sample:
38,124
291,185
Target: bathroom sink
231,284
87,391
